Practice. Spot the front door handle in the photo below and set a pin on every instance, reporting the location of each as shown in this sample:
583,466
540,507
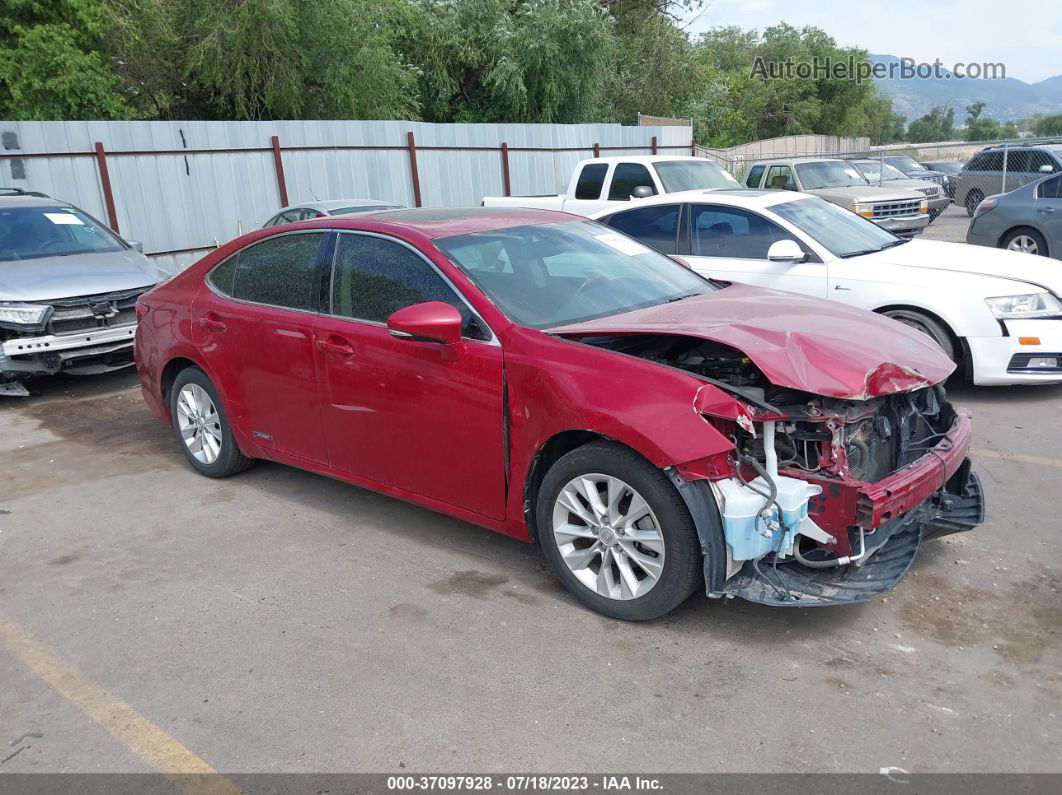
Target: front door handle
1045,209
336,346
212,322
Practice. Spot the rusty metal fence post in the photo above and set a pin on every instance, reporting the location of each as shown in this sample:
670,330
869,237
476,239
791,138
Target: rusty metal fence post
505,169
105,183
414,175
278,164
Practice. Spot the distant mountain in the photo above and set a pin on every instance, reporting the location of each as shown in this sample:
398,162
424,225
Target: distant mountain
1008,99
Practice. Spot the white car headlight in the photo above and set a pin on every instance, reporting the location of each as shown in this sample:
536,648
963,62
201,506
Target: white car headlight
1024,306
24,314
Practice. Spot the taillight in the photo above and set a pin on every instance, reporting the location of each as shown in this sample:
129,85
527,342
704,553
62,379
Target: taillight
985,206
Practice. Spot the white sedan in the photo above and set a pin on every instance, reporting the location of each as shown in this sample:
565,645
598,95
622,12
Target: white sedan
997,313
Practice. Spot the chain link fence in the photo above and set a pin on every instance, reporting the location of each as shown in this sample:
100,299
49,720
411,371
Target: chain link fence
974,169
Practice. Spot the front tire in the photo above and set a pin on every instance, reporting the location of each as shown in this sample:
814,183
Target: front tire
617,533
1025,240
929,326
201,427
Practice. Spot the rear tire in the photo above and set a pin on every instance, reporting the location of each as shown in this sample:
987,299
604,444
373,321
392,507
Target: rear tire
635,556
201,427
931,327
973,198
1025,240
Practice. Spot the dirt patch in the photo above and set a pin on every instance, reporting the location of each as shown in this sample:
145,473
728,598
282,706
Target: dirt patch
88,440
64,560
469,583
1023,623
408,612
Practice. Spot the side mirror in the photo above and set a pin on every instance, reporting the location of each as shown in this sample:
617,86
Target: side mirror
642,192
1046,169
136,245
432,321
786,251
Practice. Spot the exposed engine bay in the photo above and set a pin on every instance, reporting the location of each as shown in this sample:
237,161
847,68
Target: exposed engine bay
795,504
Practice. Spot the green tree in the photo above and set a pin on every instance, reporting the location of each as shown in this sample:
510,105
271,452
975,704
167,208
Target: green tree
984,128
937,125
258,59
50,64
1047,125
495,60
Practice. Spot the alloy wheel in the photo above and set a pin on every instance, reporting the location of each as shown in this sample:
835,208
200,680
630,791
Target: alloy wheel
608,536
1023,243
199,423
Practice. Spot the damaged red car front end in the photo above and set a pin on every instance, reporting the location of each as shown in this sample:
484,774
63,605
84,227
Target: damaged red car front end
843,409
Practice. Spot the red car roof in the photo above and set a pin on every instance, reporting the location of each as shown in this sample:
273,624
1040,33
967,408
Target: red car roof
444,223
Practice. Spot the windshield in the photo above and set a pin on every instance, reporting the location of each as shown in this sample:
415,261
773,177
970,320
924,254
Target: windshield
549,275
34,232
829,174
841,232
949,167
677,175
905,163
876,171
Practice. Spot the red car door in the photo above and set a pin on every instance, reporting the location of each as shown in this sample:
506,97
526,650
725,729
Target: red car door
254,330
405,412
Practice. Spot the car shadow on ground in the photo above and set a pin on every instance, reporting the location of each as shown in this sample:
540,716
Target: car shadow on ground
492,567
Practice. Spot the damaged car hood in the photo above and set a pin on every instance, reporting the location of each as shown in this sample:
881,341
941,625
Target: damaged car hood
50,278
797,341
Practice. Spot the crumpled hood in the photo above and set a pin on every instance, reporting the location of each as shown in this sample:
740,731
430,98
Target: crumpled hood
50,278
799,342
978,260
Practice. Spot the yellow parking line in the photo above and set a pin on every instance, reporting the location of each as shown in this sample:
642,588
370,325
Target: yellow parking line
1025,459
155,747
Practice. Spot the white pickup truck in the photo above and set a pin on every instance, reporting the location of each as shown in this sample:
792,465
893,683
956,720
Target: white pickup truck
602,182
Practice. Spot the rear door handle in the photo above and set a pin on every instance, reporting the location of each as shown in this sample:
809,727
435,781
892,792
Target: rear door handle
336,346
212,322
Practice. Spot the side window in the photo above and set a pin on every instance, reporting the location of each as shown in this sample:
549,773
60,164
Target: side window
1039,158
729,232
976,163
220,278
994,161
779,177
1018,161
656,226
626,178
374,278
279,271
591,180
753,179
1050,188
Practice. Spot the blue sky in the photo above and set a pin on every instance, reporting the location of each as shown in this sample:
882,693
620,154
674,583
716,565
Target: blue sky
1028,41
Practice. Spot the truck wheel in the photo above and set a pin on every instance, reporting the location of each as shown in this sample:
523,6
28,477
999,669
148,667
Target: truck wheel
201,428
973,198
617,533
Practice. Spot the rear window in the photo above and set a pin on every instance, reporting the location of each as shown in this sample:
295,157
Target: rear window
591,180
37,232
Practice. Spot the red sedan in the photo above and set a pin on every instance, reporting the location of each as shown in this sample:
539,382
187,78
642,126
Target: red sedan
546,377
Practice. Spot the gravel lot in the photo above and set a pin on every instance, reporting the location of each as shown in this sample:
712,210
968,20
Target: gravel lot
280,621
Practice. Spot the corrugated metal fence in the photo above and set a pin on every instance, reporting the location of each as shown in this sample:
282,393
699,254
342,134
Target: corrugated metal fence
183,187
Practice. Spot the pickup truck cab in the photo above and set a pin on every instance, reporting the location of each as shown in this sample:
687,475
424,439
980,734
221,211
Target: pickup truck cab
602,182
902,212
